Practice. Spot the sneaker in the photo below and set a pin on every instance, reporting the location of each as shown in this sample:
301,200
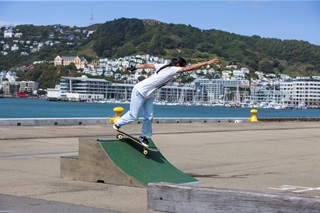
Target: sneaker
116,127
144,141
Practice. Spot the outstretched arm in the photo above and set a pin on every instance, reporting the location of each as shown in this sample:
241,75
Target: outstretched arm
198,65
145,66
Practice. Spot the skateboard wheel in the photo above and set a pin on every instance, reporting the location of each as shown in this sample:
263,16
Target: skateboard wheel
145,152
119,136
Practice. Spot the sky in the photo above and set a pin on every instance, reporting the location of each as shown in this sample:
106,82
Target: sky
285,20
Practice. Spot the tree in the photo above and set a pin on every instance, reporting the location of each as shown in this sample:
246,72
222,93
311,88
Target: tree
265,66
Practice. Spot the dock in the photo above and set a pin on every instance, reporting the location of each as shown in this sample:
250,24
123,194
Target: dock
279,158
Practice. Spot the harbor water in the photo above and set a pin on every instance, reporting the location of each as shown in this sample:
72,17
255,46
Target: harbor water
39,108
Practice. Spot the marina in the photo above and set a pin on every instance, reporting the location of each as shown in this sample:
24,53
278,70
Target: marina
236,93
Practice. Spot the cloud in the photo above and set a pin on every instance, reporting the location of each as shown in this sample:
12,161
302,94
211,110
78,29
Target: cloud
8,23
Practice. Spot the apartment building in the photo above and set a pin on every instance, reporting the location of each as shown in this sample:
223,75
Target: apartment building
302,91
261,94
10,88
214,89
29,86
81,89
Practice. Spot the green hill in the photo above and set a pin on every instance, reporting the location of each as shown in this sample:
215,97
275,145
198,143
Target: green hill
133,36
124,37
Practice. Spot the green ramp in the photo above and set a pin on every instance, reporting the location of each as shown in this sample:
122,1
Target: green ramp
150,168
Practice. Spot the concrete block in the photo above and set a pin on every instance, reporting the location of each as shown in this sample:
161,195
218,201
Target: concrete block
94,165
179,198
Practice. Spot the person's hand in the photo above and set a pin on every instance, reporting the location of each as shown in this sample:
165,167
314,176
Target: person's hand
130,69
213,61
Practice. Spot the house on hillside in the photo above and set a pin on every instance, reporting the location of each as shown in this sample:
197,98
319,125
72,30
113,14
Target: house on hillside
8,33
80,62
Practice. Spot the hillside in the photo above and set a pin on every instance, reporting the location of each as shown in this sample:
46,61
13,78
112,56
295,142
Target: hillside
133,36
122,37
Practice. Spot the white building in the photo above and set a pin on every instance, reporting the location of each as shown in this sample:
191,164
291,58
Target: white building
54,94
213,89
29,86
11,76
18,35
302,91
238,74
260,94
226,74
14,47
79,89
8,33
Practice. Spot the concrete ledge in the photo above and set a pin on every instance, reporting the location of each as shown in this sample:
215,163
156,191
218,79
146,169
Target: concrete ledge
288,119
52,121
106,120
179,198
199,120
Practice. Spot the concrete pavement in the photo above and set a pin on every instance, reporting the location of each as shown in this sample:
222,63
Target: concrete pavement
277,157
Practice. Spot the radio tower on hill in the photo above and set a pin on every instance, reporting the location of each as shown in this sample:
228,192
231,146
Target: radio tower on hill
91,18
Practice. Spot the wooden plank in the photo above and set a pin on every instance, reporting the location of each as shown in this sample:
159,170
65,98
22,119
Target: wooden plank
179,198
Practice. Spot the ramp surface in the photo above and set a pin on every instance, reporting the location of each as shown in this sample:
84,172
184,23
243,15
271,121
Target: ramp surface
150,168
121,163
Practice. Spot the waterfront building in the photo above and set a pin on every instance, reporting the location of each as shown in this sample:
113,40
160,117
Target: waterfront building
169,94
175,94
29,86
82,89
88,89
54,94
210,90
293,92
10,88
119,91
261,94
301,91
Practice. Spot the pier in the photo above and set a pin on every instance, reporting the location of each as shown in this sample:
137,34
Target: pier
276,158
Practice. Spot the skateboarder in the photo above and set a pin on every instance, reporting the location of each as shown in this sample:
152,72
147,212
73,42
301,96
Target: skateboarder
142,96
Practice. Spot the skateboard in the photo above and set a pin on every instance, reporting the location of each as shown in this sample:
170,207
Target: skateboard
121,135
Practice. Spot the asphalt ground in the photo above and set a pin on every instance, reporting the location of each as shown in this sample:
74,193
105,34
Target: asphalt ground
276,157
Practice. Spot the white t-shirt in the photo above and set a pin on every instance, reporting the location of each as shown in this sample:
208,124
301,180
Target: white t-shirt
147,87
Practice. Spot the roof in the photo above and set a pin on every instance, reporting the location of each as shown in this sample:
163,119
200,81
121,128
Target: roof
72,58
84,79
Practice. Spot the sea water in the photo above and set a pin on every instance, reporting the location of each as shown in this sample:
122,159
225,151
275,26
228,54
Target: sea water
39,108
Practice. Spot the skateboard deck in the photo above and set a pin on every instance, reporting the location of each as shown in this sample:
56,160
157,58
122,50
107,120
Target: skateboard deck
136,140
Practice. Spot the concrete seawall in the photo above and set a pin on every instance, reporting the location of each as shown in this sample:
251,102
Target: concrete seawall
51,121
106,120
